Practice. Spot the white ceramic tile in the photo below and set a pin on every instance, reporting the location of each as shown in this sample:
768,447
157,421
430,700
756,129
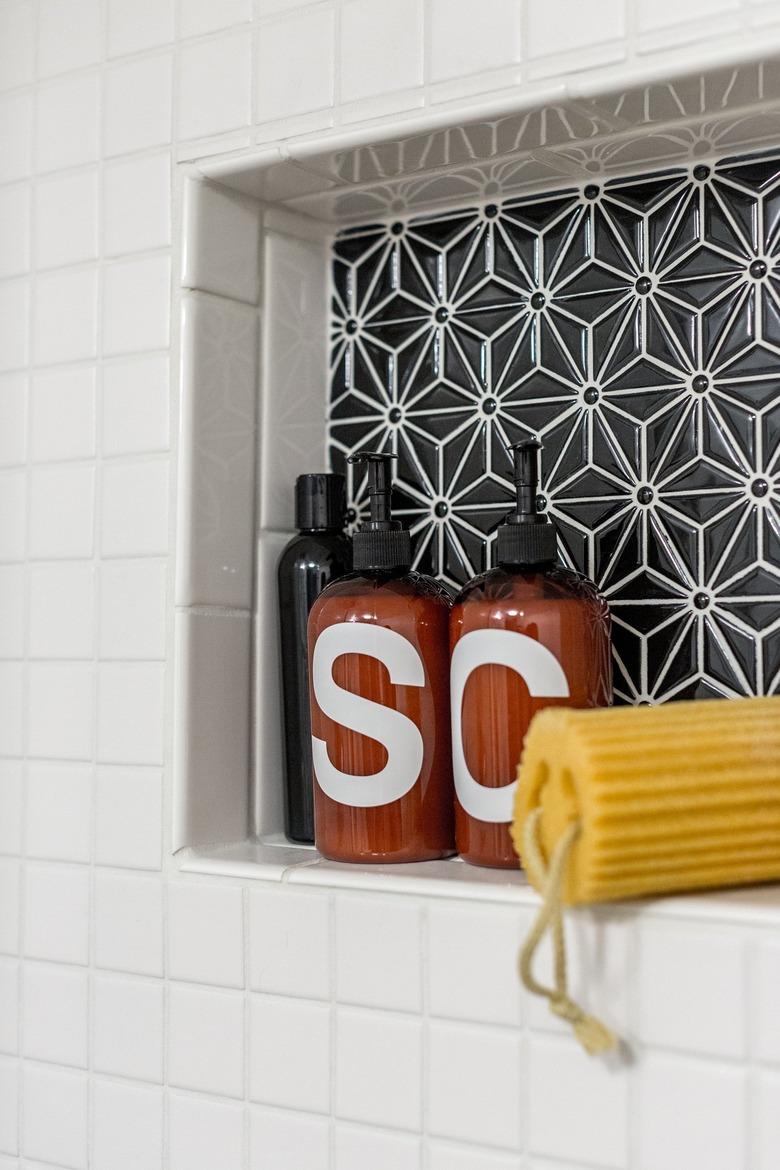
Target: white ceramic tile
128,818
127,1131
14,230
288,1141
11,704
12,607
379,952
61,512
58,811
61,710
204,1134
206,934
215,85
56,913
14,323
133,609
9,1006
131,710
127,1028
10,807
211,728
289,949
17,43
446,1156
65,317
201,16
137,204
66,219
689,1113
379,1068
765,1121
554,26
134,25
481,945
55,1116
591,1095
54,1021
62,414
13,426
357,1148
134,521
222,242
381,47
9,907
9,1095
655,14
13,504
62,609
16,122
69,35
474,1089
137,99
206,1040
135,405
295,64
217,469
463,41
268,753
129,923
136,305
67,123
762,1000
289,1053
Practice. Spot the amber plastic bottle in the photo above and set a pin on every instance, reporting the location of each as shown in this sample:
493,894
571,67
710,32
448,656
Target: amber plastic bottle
525,635
379,686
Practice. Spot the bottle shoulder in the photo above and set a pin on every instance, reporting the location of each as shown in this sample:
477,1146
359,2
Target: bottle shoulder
549,583
316,549
406,585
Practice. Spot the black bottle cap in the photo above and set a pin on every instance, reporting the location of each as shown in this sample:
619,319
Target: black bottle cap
320,501
380,542
526,537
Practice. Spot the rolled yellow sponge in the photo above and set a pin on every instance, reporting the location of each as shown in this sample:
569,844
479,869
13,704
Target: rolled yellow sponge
677,797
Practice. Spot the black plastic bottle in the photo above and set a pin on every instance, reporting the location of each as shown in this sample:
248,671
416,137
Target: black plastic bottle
320,553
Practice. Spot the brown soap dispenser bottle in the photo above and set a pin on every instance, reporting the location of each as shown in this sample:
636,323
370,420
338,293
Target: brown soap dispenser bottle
525,635
379,688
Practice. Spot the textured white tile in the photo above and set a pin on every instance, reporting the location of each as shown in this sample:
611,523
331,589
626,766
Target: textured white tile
11,701
55,1116
127,1127
357,1148
14,229
472,963
474,1091
379,1068
215,85
137,204
289,1053
69,35
204,1134
288,1141
554,26
656,14
62,415
134,25
135,405
67,122
762,1000
13,503
13,425
463,41
206,1040
65,317
61,710
128,818
379,952
62,609
689,1113
17,43
9,1006
127,1028
13,589
66,219
9,906
10,807
56,913
16,122
289,942
133,609
446,1156
134,520
58,811
9,1095
61,512
136,305
206,934
201,16
129,923
137,99
295,64
54,1022
381,47
14,324
222,250
131,708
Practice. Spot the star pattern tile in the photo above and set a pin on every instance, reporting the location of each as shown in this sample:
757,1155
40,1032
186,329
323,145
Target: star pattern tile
634,327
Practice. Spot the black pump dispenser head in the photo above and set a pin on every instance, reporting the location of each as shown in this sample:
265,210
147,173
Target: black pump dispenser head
380,542
526,537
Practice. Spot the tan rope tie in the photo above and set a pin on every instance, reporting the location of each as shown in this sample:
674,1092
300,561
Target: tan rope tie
594,1036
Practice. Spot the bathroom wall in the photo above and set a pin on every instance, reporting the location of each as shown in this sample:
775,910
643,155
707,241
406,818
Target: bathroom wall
149,1021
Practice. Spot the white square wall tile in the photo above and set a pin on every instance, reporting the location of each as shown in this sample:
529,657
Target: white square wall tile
128,817
288,1141
131,710
472,962
707,1104
134,521
127,1028
129,923
14,324
357,1148
13,421
136,305
66,219
9,906
657,14
446,1156
215,85
13,505
56,913
463,40
16,123
63,414
10,806
133,597
134,25
9,1006
61,512
55,1116
62,609
135,405
555,26
201,16
11,704
67,122
379,952
295,64
13,590
474,1087
379,1068
206,933
206,1040
204,1134
763,1000
127,1127
9,1095
222,252
61,710
381,47
289,942
58,811
289,1053
137,204
14,229
137,103
69,35
17,43
54,1022
765,1121
65,317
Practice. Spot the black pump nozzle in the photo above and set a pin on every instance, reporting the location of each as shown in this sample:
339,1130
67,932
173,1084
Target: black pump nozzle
380,542
380,489
526,537
526,477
